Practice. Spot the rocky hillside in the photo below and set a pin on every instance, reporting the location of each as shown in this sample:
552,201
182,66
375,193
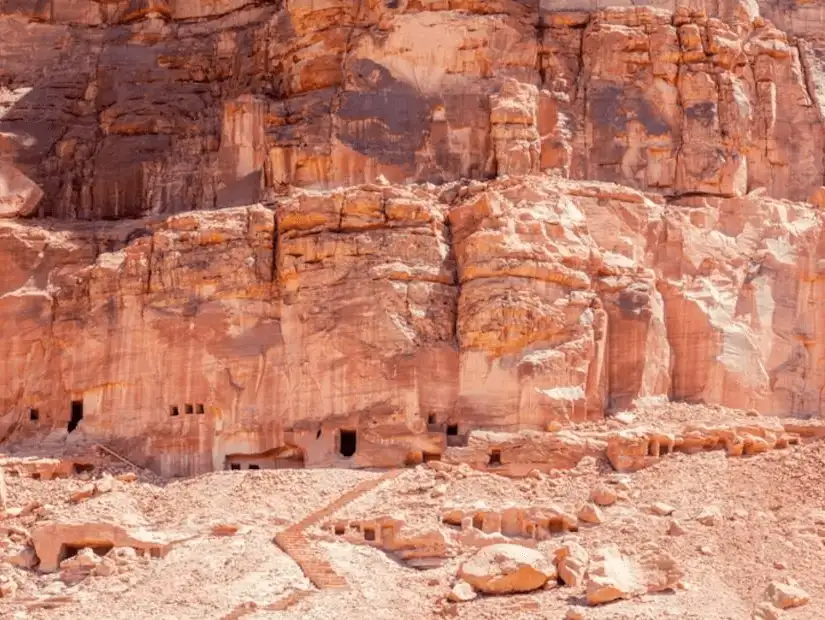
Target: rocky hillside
238,228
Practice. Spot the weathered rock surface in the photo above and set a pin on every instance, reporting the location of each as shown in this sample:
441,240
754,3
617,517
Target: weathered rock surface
787,595
613,576
54,541
507,569
571,562
273,222
126,108
251,336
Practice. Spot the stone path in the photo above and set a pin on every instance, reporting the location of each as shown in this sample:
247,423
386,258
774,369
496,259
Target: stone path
294,542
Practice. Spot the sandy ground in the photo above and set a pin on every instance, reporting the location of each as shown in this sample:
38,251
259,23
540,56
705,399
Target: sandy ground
773,526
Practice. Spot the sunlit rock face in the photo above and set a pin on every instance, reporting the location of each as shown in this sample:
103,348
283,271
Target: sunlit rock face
330,233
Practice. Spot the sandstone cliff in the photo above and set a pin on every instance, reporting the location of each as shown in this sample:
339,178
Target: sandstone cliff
519,303
138,107
235,228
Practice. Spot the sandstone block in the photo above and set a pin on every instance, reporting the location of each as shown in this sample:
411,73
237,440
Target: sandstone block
590,513
572,560
603,496
787,595
462,592
507,569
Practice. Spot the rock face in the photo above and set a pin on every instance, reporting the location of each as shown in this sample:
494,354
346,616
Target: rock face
126,108
240,234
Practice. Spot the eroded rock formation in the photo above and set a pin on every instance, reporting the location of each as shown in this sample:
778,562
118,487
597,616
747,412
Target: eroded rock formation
348,234
521,303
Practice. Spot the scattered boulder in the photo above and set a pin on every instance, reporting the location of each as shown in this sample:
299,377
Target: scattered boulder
817,198
21,556
787,595
224,529
710,516
106,568
659,571
676,528
123,555
105,485
590,513
603,496
505,569
129,476
30,508
7,589
85,559
575,612
613,576
662,509
19,195
571,561
86,491
462,592
766,611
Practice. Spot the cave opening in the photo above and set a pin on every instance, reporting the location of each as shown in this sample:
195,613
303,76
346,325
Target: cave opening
76,415
348,443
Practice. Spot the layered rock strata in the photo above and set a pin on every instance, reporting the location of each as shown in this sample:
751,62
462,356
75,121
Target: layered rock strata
376,325
274,234
132,108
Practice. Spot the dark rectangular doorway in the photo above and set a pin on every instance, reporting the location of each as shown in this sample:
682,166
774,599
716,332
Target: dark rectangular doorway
77,414
348,443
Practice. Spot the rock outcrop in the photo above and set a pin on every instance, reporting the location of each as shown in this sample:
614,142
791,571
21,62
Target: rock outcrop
123,109
56,542
253,336
507,569
238,234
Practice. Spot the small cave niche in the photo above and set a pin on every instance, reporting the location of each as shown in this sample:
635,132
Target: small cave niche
348,443
431,456
199,409
173,410
190,409
495,457
431,419
79,468
235,466
253,466
69,551
340,529
76,415
478,521
318,434
369,533
34,415
452,430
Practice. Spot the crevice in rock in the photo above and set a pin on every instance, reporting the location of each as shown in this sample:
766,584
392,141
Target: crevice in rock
273,275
